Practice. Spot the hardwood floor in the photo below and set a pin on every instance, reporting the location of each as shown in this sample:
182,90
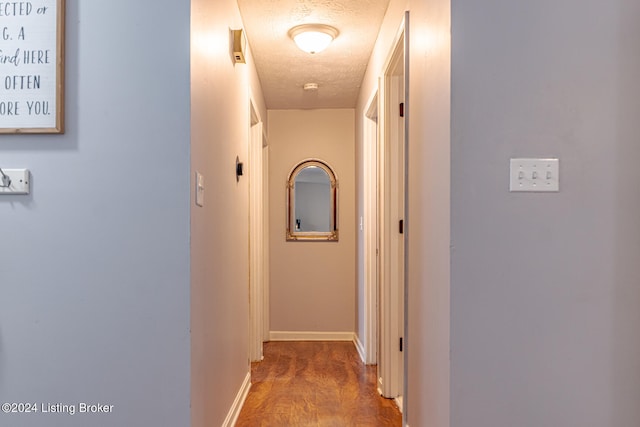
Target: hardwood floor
315,384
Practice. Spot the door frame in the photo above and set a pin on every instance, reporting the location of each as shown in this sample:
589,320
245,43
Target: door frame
370,227
258,235
392,184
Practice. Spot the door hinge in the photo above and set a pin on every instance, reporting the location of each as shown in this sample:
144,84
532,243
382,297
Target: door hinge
401,226
401,345
402,109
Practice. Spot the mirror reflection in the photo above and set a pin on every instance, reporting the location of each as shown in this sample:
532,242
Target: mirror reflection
312,196
313,199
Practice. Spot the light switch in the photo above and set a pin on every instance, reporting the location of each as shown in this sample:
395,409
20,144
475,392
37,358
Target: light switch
199,189
534,175
15,181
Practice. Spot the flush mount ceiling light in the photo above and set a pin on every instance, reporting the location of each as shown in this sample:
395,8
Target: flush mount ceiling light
313,38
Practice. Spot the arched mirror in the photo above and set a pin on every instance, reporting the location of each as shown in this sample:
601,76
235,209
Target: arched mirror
312,202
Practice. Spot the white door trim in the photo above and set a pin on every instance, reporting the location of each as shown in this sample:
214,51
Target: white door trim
392,174
370,225
405,285
256,237
266,328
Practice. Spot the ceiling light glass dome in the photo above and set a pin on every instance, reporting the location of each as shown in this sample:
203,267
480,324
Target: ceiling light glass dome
313,38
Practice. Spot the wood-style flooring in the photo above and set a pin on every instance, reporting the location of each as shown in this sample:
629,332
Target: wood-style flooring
315,384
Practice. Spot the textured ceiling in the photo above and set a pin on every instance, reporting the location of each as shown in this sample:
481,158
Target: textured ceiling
283,68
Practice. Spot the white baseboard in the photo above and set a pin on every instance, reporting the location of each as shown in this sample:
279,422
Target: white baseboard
360,348
399,403
310,336
234,412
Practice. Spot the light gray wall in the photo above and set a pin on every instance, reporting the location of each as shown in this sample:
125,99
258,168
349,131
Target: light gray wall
94,265
544,287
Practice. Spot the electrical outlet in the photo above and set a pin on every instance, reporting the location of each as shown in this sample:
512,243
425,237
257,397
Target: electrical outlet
14,181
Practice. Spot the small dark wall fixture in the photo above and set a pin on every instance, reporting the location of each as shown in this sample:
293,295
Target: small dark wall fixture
239,168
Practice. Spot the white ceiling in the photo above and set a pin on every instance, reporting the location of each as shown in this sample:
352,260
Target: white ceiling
283,68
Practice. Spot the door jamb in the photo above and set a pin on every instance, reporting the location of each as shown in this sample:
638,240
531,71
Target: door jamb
370,225
392,362
258,314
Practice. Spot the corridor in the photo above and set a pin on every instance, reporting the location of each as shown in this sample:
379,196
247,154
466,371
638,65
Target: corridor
315,384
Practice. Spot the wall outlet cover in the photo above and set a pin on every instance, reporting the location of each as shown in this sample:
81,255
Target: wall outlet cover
19,182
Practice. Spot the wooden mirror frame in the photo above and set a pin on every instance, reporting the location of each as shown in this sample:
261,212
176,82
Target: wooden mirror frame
292,233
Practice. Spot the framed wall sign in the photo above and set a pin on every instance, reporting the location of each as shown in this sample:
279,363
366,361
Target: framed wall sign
32,66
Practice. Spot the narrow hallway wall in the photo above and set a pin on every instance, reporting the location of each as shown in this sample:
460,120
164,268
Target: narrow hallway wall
312,283
428,225
220,117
